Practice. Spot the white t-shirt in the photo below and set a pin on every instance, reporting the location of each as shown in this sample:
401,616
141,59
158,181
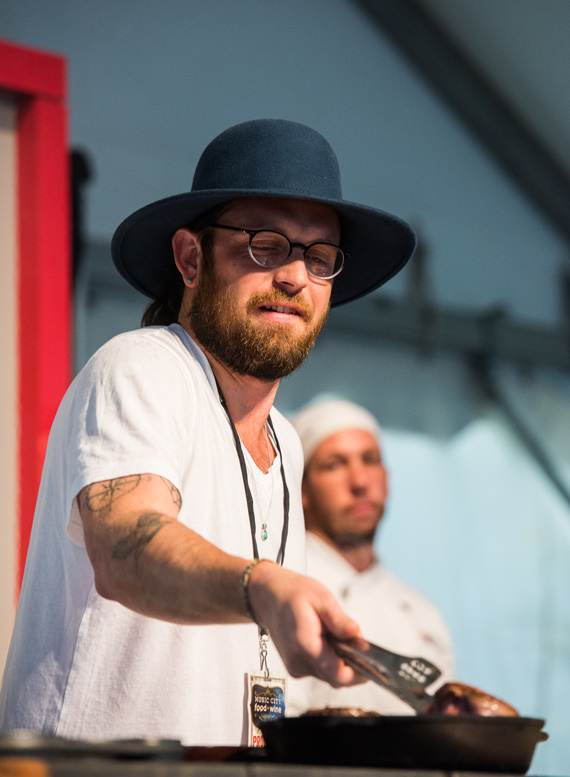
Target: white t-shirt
389,613
82,666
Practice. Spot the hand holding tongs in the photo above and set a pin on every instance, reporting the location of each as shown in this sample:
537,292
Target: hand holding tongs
405,676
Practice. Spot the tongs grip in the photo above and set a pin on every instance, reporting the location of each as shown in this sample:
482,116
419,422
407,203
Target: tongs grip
405,676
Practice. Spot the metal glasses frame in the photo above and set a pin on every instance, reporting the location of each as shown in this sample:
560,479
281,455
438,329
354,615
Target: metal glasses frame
253,232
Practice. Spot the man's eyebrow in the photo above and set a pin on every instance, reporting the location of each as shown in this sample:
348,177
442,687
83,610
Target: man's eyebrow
332,457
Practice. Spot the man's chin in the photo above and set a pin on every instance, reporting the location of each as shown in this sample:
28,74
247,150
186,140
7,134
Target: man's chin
276,351
350,540
288,333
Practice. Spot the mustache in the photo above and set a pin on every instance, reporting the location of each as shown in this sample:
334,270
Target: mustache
306,310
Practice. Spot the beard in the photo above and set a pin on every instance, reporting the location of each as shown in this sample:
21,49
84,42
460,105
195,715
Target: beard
232,336
349,540
346,535
338,526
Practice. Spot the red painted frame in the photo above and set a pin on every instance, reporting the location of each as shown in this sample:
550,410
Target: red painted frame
37,82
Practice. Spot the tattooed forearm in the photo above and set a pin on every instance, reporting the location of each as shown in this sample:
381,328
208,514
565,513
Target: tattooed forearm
137,540
174,492
99,497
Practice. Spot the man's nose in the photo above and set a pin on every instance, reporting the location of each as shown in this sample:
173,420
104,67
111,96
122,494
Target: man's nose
359,477
293,274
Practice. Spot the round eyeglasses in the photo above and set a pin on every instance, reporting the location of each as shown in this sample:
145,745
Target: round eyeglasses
271,249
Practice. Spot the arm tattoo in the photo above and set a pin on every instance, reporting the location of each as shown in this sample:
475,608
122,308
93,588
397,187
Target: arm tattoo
136,540
99,497
174,492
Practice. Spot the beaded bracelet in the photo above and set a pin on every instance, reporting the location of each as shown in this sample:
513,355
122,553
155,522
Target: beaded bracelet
245,586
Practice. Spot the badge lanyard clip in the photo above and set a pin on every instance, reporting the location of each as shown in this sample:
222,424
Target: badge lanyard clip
263,643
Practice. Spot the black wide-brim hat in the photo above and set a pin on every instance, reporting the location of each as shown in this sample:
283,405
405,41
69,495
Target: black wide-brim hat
264,158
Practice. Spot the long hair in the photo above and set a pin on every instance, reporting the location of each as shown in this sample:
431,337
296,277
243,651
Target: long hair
164,310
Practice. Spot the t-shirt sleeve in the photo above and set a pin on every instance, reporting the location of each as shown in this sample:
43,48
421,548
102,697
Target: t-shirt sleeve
131,413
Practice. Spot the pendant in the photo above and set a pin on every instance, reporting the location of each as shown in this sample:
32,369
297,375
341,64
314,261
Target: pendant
263,531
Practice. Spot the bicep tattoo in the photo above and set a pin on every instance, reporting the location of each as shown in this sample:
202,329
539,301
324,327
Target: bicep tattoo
174,492
100,497
137,539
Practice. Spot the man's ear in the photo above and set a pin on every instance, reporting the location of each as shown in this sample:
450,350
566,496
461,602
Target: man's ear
186,249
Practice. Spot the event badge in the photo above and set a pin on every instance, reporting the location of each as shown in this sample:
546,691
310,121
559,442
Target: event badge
266,697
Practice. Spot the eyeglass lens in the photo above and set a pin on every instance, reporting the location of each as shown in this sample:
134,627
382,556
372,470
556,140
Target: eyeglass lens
271,249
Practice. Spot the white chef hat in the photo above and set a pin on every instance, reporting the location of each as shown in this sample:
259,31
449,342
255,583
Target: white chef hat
319,420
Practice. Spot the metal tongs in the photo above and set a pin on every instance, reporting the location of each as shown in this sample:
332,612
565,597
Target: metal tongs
405,676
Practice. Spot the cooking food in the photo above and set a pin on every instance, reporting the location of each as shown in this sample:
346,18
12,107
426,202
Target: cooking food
460,699
346,712
451,699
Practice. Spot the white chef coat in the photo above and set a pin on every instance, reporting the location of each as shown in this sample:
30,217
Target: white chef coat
390,613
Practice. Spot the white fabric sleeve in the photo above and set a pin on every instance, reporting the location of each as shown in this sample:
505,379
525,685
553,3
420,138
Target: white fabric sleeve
131,413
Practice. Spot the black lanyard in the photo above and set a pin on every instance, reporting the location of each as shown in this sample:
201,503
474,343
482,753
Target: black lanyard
248,496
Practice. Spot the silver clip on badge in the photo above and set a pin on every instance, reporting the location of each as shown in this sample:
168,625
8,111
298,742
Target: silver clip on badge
263,642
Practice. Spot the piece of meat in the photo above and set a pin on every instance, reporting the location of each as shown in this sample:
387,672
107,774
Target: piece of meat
346,712
460,699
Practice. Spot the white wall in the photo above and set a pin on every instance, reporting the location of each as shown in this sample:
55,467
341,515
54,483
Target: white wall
9,383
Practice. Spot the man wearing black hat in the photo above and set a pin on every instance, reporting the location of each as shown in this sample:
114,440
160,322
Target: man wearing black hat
168,475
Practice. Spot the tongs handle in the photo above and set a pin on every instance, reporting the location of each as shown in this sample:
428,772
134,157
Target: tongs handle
405,676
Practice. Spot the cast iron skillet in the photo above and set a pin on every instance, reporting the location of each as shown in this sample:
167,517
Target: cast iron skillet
450,742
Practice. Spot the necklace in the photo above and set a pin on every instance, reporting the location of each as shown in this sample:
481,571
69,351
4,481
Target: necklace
248,496
255,479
